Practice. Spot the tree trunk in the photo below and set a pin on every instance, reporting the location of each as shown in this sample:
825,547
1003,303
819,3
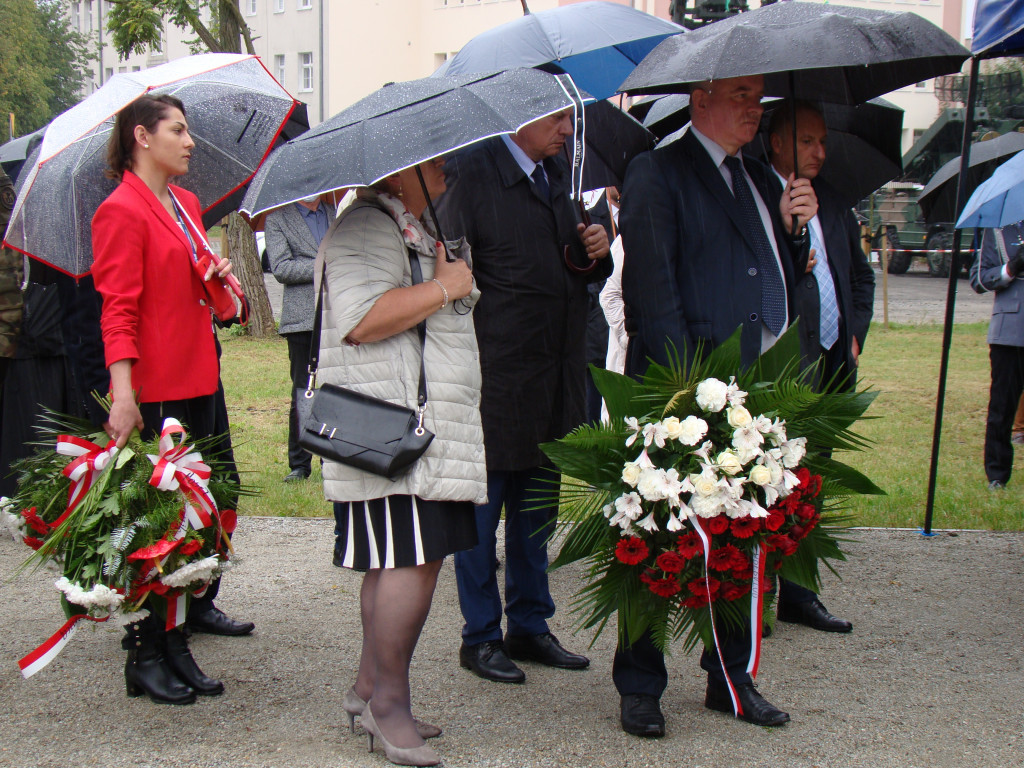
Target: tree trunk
241,244
242,250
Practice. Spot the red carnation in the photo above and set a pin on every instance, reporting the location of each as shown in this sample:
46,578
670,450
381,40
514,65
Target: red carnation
732,591
745,527
670,562
631,550
814,487
717,525
796,532
723,558
696,601
805,511
32,541
701,586
775,520
740,562
35,522
689,545
744,574
665,587
782,543
190,547
803,474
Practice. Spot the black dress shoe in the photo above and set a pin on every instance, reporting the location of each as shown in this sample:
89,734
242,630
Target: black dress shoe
489,661
296,474
814,615
641,715
215,622
544,649
756,709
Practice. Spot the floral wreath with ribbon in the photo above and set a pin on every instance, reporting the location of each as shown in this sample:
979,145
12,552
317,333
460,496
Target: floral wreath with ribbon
130,531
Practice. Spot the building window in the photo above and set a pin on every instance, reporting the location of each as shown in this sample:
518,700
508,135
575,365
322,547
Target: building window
157,48
439,59
88,16
136,69
279,68
278,6
251,7
306,71
305,5
76,16
122,70
108,73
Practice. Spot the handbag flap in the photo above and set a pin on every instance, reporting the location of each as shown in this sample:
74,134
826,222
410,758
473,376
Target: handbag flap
363,422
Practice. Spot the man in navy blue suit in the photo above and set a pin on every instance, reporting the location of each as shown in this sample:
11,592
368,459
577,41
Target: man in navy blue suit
709,250
834,297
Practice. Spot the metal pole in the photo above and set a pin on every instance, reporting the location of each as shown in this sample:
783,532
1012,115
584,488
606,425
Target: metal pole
954,272
885,277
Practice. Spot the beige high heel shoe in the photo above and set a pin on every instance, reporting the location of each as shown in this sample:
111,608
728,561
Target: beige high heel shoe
423,755
354,705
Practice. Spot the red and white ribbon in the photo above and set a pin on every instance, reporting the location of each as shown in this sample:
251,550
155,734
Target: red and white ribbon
756,611
177,608
90,461
49,650
178,467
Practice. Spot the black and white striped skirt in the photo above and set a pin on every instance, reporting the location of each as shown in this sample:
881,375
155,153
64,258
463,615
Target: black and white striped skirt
401,531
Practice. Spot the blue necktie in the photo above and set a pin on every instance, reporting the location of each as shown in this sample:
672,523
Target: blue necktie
828,306
542,183
773,291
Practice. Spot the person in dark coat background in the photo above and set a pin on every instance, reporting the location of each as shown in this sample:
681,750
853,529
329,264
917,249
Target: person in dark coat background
834,298
509,197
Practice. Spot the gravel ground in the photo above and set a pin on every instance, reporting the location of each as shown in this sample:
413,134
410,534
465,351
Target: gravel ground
930,677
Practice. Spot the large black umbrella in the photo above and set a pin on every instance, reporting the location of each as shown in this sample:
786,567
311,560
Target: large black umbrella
817,51
938,198
613,138
402,125
863,147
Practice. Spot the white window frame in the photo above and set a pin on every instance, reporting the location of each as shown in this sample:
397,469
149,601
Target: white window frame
280,62
251,9
304,5
305,71
278,6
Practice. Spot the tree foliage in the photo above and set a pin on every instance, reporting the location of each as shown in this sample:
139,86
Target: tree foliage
136,25
42,62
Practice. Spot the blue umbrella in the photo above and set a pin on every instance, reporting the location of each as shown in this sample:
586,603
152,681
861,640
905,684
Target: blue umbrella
598,43
1000,200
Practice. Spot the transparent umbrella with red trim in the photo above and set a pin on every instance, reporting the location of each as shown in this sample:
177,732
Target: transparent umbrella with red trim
235,110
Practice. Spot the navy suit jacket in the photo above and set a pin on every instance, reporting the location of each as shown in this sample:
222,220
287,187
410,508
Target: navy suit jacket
854,280
690,273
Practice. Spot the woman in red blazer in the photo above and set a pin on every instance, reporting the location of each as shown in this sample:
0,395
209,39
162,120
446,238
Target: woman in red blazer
157,334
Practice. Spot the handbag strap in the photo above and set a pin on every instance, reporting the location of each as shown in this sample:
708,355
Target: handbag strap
421,327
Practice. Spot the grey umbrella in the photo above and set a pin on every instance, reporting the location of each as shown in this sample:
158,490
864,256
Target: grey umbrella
830,52
235,111
938,198
402,125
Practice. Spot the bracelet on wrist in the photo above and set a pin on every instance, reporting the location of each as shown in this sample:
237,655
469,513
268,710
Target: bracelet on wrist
443,290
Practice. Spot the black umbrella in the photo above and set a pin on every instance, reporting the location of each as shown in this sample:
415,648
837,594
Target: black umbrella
863,141
938,198
613,138
838,54
14,153
402,125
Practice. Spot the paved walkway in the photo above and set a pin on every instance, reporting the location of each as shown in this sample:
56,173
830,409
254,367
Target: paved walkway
930,678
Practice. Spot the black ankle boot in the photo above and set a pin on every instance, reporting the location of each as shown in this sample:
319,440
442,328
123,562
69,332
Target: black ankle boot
179,657
147,671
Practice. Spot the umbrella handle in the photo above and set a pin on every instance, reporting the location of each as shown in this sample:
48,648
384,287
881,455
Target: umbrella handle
567,251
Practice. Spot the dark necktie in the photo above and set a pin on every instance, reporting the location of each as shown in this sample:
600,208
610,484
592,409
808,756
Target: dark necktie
773,291
542,183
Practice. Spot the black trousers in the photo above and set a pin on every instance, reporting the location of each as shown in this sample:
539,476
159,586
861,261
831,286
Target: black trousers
298,358
1004,397
640,668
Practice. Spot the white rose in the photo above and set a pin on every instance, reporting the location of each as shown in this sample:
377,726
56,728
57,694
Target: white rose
712,395
651,485
704,485
631,474
738,416
729,463
692,430
760,475
673,427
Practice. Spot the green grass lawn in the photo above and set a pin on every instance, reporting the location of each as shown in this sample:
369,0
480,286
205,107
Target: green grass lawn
902,363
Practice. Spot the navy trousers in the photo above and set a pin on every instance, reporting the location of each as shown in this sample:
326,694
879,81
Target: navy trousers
1007,385
529,520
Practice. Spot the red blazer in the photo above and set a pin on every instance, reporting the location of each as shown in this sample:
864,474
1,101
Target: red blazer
154,305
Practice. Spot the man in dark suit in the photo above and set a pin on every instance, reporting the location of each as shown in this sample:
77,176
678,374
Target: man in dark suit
293,234
834,297
708,250
509,197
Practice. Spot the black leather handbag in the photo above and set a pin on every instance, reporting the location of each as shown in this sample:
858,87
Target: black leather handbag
351,428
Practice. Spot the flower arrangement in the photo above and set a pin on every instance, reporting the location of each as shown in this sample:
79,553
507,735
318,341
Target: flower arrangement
130,531
705,483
